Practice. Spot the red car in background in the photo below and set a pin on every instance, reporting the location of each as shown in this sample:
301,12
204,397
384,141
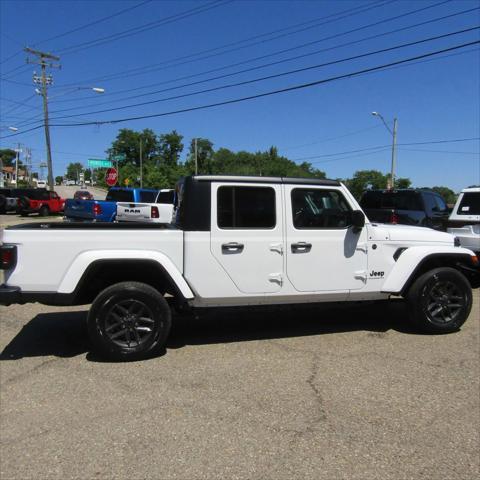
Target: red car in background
40,201
82,195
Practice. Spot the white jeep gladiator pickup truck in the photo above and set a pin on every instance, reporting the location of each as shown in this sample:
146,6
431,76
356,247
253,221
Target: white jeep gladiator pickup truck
237,241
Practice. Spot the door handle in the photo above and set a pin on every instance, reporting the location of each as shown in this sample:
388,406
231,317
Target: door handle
232,247
301,247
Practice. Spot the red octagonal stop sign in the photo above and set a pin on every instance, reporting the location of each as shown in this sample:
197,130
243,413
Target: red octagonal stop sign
111,177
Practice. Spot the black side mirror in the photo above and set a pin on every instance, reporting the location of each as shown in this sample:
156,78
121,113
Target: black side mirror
358,220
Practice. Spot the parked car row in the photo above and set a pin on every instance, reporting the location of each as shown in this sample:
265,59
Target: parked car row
427,209
122,204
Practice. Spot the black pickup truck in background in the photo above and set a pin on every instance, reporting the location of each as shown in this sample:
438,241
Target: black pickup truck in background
423,208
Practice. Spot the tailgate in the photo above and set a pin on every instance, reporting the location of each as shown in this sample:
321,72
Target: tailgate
133,212
79,209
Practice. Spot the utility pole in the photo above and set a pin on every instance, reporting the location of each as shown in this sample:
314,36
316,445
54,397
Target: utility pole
394,148
141,163
18,150
196,158
44,81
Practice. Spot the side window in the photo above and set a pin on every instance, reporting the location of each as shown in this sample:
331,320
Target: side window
53,195
315,208
441,205
246,207
166,197
430,205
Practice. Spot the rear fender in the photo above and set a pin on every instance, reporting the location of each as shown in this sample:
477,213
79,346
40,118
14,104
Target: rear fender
83,261
412,259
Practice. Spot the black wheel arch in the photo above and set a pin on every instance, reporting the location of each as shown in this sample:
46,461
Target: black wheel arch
101,274
459,261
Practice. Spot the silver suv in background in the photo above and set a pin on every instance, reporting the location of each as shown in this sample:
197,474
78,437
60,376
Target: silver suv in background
464,221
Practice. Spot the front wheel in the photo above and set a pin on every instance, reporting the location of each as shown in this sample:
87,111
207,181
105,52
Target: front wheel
129,321
440,300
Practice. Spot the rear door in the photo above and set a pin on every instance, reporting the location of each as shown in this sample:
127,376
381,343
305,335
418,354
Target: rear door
323,252
247,235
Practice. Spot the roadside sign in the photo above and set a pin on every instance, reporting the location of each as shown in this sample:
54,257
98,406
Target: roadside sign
111,177
99,163
119,158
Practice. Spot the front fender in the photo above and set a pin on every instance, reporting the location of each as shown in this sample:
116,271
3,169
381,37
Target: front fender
81,263
412,259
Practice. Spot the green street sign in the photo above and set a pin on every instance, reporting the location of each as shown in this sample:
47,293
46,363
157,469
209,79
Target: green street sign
119,158
99,163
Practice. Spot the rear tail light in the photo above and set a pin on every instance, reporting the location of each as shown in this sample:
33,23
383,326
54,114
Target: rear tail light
8,257
394,218
97,209
154,212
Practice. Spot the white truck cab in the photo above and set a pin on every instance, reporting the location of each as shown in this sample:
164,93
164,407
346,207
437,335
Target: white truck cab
238,241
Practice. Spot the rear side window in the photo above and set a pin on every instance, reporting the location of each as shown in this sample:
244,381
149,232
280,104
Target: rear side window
430,204
119,196
147,197
166,197
441,205
246,207
469,204
315,209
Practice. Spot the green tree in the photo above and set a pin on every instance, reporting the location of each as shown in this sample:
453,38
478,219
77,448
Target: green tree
204,156
58,180
88,174
447,194
170,148
365,179
403,183
73,170
7,155
128,143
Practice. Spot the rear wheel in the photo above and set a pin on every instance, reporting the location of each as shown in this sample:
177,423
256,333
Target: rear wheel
44,211
440,300
129,321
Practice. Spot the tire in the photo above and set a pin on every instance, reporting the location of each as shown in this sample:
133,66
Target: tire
3,204
440,301
129,321
44,211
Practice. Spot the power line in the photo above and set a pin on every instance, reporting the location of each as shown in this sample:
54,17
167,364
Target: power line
95,22
142,28
430,142
262,95
152,68
283,90
269,77
241,71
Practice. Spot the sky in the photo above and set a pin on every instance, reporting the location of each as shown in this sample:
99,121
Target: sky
180,49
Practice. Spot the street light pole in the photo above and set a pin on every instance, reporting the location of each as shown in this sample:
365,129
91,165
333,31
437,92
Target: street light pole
394,146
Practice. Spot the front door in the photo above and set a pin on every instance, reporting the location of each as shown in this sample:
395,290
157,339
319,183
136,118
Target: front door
323,251
247,235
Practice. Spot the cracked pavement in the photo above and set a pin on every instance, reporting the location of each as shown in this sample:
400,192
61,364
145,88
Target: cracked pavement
308,393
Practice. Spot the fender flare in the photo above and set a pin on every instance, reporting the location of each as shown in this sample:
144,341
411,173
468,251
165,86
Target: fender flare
412,260
82,262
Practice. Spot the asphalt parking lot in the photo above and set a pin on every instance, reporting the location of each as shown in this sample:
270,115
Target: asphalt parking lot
318,393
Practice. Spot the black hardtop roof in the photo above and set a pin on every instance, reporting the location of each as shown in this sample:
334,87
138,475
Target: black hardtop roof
258,179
